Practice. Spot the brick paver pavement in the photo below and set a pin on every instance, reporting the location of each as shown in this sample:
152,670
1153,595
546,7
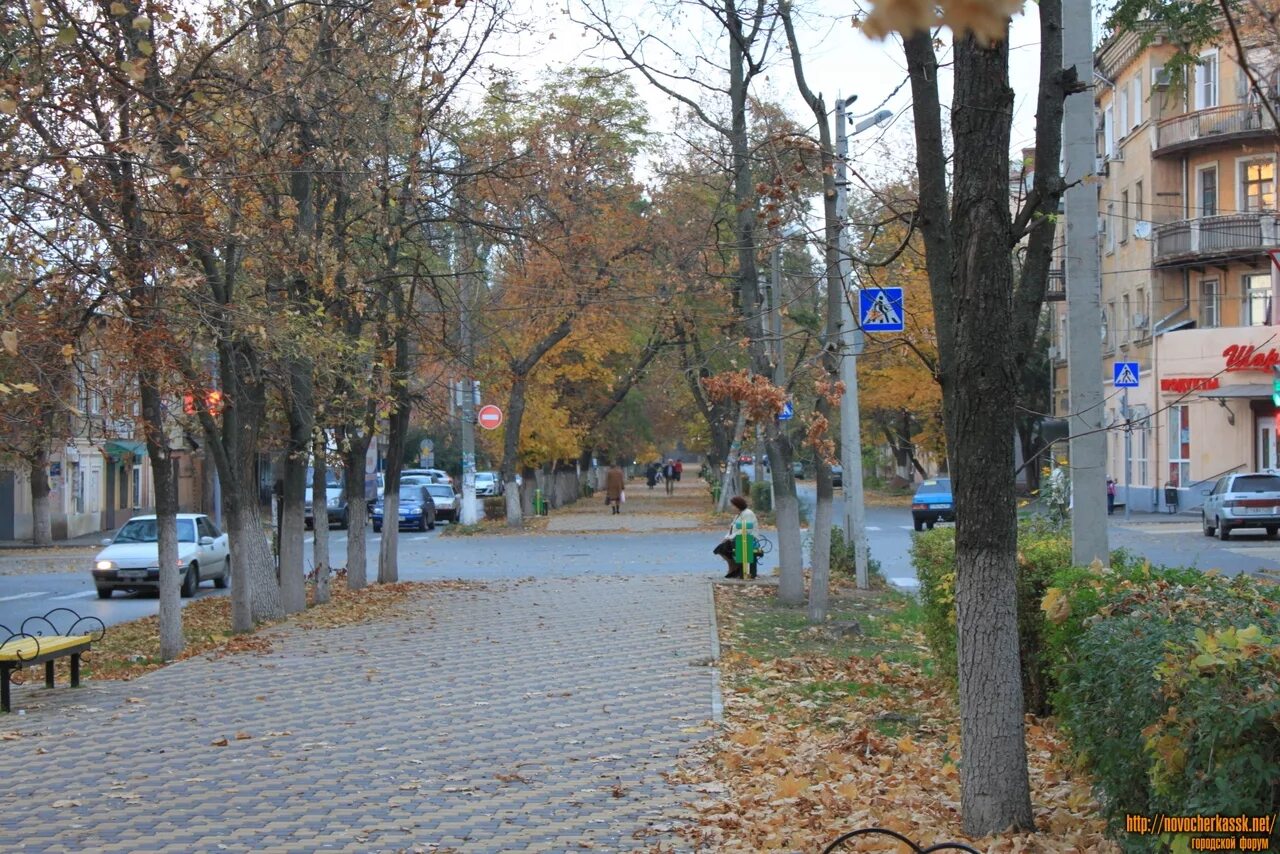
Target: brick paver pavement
536,715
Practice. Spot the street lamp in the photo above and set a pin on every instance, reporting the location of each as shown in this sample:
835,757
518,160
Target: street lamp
851,343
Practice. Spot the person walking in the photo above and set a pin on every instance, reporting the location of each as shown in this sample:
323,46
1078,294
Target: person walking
679,469
744,523
1111,495
615,482
669,476
651,474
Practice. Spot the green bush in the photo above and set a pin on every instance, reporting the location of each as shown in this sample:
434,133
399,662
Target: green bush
1170,691
844,562
761,497
1044,549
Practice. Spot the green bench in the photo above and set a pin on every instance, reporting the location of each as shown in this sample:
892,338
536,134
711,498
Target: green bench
39,640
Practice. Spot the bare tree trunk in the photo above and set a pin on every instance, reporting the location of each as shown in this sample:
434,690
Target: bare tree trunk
255,594
729,485
41,520
319,486
511,452
355,449
293,589
165,486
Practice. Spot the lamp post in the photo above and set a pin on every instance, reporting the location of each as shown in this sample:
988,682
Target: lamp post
851,344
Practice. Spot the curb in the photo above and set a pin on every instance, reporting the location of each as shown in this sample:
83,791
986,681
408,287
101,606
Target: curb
717,700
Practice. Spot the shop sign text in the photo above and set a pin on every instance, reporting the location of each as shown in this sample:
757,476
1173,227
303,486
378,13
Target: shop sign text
1182,385
1246,357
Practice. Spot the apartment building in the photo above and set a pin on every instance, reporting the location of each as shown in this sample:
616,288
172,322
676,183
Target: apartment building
1187,214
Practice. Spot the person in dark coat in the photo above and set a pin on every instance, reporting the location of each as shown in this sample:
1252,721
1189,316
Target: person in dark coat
615,481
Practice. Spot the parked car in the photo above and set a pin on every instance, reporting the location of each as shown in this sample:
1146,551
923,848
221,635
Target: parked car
488,483
446,502
797,470
335,500
837,475
1242,501
131,559
933,503
417,509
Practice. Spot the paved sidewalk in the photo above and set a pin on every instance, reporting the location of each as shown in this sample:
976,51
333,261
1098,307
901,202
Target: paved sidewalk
536,715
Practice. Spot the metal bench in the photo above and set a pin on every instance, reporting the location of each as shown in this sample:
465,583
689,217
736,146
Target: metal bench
839,843
40,641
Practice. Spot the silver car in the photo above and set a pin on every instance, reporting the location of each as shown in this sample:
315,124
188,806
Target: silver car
446,501
1242,501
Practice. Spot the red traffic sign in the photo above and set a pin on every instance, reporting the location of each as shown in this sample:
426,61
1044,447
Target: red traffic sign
489,417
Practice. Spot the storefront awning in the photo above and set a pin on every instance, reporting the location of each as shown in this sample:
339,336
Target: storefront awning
1258,390
119,448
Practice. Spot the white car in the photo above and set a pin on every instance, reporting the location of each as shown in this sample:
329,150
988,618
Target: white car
488,483
1246,500
131,560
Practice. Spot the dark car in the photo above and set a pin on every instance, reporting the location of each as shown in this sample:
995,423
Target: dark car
417,509
933,503
837,476
1247,500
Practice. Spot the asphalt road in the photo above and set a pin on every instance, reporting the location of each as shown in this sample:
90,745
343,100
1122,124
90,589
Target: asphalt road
427,556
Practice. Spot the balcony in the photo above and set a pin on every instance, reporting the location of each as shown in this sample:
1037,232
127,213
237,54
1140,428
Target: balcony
1056,286
1232,123
1214,238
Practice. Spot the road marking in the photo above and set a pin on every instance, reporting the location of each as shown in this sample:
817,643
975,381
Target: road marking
907,527
904,582
23,596
82,594
873,527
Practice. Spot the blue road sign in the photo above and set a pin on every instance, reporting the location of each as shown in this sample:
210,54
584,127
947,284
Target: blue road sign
787,412
1125,375
880,309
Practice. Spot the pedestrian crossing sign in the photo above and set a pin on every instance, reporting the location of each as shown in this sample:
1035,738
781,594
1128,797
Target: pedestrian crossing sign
1125,375
880,309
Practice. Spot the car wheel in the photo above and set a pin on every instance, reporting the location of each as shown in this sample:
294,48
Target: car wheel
1271,532
377,529
344,522
222,582
1204,523
190,581
309,524
919,525
1224,533
929,525
104,592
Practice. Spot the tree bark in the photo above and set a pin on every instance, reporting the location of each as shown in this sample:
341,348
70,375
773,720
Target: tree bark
319,486
388,564
41,520
511,451
293,589
355,449
165,486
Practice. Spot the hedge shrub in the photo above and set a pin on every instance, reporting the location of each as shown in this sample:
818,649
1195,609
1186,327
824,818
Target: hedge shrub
1170,691
495,507
762,497
1044,550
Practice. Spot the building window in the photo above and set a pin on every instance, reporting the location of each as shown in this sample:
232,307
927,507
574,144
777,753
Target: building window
1135,98
1108,326
1108,132
76,480
1142,431
1110,227
1127,332
137,485
1179,445
1124,216
1257,185
1122,111
1207,81
1139,213
1210,304
1208,179
1257,299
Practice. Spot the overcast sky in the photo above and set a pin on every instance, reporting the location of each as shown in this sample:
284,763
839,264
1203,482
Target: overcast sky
838,58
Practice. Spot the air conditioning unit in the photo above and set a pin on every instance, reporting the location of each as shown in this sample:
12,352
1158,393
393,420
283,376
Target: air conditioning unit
1053,351
1139,321
1100,166
1160,78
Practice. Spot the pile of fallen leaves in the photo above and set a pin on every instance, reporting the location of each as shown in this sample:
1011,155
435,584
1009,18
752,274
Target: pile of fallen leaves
129,650
835,728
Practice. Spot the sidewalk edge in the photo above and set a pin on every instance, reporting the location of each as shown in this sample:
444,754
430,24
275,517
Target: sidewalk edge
717,701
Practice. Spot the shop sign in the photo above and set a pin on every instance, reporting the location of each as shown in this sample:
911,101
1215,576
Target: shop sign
1246,357
1183,385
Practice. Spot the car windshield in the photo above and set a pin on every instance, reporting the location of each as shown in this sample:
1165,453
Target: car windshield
483,476
1256,483
410,493
940,486
441,489
144,531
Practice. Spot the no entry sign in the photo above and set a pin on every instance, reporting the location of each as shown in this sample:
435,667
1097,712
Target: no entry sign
489,417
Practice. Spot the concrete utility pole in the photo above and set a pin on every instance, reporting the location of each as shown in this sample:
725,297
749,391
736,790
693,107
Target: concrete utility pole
470,394
851,344
1084,298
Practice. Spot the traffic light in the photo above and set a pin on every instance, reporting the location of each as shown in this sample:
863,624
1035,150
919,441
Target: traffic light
1275,384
